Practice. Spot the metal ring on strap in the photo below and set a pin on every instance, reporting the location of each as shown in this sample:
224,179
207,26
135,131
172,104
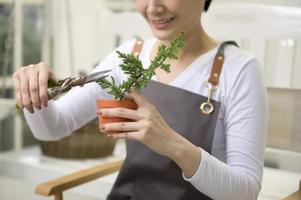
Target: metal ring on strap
207,108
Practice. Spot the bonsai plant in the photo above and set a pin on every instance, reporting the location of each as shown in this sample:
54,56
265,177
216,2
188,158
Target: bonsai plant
138,76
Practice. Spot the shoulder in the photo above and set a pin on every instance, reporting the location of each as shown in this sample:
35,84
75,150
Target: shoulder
239,65
112,58
237,59
241,74
112,61
127,47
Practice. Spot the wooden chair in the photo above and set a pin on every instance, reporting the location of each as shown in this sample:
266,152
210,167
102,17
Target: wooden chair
56,187
296,195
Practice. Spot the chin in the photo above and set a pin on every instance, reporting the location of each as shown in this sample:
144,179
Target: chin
165,35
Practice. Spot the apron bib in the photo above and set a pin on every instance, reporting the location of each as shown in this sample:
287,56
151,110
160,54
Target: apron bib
146,175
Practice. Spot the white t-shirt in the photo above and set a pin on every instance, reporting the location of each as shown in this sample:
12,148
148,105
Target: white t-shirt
234,168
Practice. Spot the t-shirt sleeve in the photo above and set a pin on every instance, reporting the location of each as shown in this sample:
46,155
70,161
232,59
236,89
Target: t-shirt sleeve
245,120
77,107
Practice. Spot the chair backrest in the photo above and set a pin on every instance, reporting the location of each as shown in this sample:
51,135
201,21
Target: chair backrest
284,125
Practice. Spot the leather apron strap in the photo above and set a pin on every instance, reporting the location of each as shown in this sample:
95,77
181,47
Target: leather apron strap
212,83
218,63
137,47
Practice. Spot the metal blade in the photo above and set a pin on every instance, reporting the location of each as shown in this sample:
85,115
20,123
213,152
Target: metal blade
95,76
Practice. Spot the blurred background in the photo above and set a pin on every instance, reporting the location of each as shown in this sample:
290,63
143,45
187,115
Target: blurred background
73,36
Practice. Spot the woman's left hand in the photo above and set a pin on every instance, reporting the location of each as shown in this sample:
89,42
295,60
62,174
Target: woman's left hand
148,126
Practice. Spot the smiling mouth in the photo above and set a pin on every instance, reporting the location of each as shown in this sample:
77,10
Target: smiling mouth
163,21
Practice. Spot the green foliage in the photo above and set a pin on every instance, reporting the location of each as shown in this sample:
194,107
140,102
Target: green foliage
138,76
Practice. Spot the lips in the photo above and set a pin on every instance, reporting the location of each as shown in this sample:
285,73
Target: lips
162,23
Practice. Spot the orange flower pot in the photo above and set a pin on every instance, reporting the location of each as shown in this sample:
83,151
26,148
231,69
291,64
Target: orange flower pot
104,103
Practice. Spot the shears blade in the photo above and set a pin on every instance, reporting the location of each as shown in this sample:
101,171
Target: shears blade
96,76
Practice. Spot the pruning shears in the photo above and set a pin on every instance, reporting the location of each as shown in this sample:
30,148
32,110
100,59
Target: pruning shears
61,86
57,87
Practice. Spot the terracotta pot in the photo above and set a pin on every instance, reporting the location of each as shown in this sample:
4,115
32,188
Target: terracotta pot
104,103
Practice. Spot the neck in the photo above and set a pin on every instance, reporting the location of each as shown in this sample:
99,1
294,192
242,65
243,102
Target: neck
197,42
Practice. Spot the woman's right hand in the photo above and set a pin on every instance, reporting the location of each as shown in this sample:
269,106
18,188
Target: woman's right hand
31,84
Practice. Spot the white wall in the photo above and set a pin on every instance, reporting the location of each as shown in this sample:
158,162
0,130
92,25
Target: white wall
93,34
84,49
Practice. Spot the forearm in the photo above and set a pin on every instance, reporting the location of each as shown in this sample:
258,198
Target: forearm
64,115
220,181
210,175
187,156
44,123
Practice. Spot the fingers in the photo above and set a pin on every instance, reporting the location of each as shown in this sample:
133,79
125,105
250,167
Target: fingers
25,94
134,135
16,81
44,76
31,84
138,98
121,127
121,112
34,87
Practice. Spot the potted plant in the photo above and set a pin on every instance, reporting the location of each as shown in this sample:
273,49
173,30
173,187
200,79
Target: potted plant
138,76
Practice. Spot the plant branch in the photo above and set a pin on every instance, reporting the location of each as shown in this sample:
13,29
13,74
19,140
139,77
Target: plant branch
138,76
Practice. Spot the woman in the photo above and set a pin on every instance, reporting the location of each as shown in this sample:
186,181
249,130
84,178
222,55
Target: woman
174,150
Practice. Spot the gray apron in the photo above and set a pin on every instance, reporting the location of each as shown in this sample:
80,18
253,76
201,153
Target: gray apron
146,175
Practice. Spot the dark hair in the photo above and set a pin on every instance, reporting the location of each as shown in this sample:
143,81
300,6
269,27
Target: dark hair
207,5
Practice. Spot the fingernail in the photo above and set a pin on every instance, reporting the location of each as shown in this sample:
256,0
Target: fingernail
102,127
44,104
99,112
111,136
100,130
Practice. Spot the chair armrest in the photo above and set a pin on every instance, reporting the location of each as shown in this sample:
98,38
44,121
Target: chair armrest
296,195
63,183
